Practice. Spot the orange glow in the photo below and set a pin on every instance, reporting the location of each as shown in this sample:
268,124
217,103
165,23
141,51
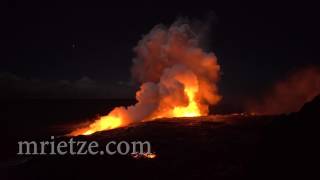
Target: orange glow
117,117
192,109
186,104
144,155
104,123
150,155
178,79
107,122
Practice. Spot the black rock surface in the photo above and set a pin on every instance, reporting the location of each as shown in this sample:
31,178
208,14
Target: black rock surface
214,147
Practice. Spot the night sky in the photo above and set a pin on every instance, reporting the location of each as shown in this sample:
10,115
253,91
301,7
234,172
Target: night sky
91,48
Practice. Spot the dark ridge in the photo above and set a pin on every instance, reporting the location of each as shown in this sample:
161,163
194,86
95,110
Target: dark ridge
288,148
312,107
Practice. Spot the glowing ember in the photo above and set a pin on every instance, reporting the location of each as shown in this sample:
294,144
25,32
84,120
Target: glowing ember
150,155
178,79
144,155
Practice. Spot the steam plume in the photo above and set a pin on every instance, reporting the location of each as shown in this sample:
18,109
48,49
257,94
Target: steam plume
290,94
178,78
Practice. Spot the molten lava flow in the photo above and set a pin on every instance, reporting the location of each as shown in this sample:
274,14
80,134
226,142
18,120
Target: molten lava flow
144,155
178,79
192,109
103,123
113,120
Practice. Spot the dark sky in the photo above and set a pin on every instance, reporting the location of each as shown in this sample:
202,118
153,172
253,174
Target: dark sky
256,43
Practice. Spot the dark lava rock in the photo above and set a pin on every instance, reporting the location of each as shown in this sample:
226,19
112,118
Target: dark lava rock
289,148
213,147
311,109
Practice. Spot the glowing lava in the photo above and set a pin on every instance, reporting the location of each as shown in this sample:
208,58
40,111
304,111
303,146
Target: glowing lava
144,155
105,122
117,117
192,109
110,121
178,79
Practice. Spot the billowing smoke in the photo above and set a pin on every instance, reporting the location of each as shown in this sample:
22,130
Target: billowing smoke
290,94
165,57
178,78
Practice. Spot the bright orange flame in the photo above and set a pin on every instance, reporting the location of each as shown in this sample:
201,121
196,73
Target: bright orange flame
192,109
118,119
178,79
103,123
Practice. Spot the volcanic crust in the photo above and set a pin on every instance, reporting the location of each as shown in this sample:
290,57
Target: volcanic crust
235,146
